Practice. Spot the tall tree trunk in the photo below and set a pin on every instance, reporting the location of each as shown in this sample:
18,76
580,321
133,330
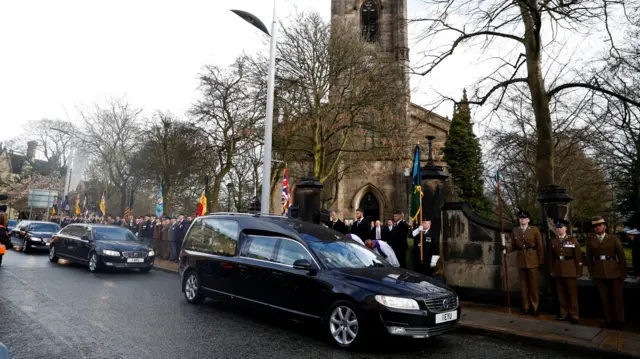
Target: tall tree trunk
545,163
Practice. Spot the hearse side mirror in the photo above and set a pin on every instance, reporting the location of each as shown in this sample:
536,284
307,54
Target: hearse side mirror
304,264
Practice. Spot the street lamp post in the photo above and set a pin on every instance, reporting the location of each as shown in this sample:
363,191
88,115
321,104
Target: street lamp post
229,189
268,126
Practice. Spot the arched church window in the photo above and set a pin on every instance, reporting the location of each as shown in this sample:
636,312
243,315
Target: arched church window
369,21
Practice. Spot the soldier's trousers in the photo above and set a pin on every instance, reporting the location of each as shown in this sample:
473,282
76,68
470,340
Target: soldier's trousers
529,288
610,291
567,297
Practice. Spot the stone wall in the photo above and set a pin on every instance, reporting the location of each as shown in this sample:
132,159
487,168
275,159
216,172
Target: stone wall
471,246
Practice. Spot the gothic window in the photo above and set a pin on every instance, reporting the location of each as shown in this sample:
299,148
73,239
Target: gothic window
369,21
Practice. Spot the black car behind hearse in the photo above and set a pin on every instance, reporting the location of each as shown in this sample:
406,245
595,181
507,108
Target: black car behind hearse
33,235
310,272
101,246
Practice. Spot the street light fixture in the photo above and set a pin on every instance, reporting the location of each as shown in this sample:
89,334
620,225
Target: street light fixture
268,125
229,189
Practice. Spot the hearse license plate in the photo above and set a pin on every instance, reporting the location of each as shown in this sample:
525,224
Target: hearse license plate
135,260
446,317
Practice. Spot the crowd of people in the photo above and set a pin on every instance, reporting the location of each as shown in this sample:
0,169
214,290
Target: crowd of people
164,234
389,239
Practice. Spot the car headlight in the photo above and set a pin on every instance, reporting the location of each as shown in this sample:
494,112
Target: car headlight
111,253
152,253
397,302
36,239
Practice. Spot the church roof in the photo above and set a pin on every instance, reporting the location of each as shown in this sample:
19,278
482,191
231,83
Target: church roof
19,163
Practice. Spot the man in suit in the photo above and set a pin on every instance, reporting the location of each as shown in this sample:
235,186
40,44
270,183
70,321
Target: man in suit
399,236
376,232
429,248
336,224
565,262
361,226
527,241
608,267
387,232
172,240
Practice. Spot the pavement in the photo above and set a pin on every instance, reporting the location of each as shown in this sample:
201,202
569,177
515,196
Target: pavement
62,310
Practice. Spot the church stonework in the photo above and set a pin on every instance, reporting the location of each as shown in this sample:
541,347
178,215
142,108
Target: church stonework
384,186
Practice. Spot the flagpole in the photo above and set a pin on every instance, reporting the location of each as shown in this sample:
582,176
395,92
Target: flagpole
419,224
504,250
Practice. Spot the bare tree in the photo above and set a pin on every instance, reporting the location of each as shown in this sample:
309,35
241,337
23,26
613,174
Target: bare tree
337,97
171,151
111,135
230,113
55,139
530,31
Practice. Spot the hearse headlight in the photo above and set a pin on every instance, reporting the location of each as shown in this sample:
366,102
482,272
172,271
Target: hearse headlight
151,253
397,302
107,252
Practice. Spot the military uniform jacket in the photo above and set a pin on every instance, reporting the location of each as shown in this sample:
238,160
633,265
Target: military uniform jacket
157,231
605,259
565,257
529,247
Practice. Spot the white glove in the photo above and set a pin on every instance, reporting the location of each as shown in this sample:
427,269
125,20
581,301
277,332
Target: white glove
420,228
416,231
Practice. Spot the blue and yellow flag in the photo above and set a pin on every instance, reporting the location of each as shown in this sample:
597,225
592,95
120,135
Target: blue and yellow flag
416,195
103,206
159,204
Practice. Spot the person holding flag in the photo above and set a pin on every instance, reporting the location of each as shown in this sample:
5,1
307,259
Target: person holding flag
202,205
286,199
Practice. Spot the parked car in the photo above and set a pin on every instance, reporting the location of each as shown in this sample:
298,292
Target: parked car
101,246
33,235
310,272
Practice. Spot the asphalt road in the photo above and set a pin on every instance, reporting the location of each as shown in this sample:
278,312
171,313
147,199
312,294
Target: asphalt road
62,311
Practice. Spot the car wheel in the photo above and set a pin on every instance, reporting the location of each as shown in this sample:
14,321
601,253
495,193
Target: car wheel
191,289
25,246
94,263
145,270
342,323
52,254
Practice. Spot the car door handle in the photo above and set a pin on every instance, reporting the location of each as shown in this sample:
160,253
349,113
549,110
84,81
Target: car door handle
276,274
242,266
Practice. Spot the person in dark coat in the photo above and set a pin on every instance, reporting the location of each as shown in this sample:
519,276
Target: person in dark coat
387,232
634,242
429,248
399,234
146,231
173,240
361,226
336,224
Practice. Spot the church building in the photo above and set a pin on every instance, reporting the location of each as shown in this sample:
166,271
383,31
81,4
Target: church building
385,187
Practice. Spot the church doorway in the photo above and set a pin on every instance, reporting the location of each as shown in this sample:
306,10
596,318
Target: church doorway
370,206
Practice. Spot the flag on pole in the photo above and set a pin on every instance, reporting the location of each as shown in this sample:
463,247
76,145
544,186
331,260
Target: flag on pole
128,209
202,205
159,204
64,206
103,206
416,195
78,204
286,199
54,209
85,211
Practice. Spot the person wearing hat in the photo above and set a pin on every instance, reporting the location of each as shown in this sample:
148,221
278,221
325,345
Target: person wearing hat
565,263
429,248
634,241
607,267
527,241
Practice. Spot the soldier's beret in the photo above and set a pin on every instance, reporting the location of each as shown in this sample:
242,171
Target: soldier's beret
561,222
597,220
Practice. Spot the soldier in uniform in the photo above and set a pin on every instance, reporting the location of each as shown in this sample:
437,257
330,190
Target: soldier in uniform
527,241
565,263
608,268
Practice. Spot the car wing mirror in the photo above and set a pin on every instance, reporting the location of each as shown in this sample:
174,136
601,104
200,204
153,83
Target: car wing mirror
304,264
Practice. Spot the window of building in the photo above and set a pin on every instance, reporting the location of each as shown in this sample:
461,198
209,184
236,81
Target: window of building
214,236
369,21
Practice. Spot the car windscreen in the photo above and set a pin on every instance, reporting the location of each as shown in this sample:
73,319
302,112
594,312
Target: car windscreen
44,227
113,234
342,254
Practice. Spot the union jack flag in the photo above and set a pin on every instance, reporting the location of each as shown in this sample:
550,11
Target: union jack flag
286,199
